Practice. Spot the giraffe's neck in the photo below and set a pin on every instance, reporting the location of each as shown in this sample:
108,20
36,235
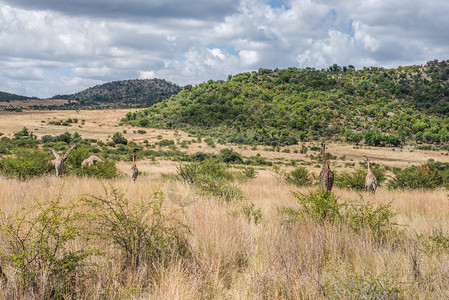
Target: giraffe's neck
64,157
325,164
54,153
369,169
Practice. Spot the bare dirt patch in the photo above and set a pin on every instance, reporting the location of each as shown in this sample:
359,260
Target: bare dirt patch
32,102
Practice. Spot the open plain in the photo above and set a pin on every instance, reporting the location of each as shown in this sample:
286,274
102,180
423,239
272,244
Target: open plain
231,253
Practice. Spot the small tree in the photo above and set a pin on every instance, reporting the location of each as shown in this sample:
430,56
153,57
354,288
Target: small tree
25,164
118,138
299,177
142,231
37,243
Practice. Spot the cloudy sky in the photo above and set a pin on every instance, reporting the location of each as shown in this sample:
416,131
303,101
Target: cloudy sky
50,47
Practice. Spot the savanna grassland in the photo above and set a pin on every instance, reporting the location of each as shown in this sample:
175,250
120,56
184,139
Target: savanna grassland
214,230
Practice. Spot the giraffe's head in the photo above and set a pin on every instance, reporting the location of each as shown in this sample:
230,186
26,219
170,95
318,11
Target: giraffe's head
367,160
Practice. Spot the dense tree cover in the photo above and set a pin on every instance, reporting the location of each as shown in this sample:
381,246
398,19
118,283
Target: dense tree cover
280,107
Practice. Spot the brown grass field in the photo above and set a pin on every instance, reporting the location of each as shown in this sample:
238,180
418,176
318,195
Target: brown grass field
232,257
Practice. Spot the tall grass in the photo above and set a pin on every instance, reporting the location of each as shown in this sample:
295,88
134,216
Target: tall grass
228,254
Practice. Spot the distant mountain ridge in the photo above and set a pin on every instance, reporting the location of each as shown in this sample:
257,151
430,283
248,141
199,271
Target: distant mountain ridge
135,92
10,97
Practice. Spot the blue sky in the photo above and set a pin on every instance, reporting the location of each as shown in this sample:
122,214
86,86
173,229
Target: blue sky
50,47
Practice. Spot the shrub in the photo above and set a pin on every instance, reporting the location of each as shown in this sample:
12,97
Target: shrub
415,178
252,213
100,170
436,242
249,172
258,160
210,177
142,232
37,240
320,206
299,177
210,142
355,180
229,156
23,133
118,138
199,156
25,164
76,157
324,206
362,215
369,286
166,143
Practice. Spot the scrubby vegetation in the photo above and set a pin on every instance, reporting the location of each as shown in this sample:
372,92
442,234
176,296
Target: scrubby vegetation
162,239
213,178
356,179
10,97
136,92
427,176
382,107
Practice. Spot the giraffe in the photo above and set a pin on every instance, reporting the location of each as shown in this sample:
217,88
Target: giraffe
371,180
58,162
326,175
90,161
134,172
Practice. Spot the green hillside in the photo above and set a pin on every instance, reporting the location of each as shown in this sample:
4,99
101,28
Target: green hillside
373,105
137,92
10,97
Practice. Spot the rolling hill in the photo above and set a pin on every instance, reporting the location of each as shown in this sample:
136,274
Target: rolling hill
140,93
11,97
382,107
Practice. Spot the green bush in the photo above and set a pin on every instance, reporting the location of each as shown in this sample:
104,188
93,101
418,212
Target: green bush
37,242
100,170
252,213
362,215
227,155
415,178
76,157
324,206
299,177
368,286
355,180
25,164
320,206
249,172
436,242
199,156
210,142
210,177
166,143
143,232
118,138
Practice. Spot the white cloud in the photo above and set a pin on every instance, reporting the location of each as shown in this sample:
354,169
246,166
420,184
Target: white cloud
146,75
249,58
50,47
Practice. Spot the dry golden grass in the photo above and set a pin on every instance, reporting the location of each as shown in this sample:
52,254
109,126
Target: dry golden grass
232,258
